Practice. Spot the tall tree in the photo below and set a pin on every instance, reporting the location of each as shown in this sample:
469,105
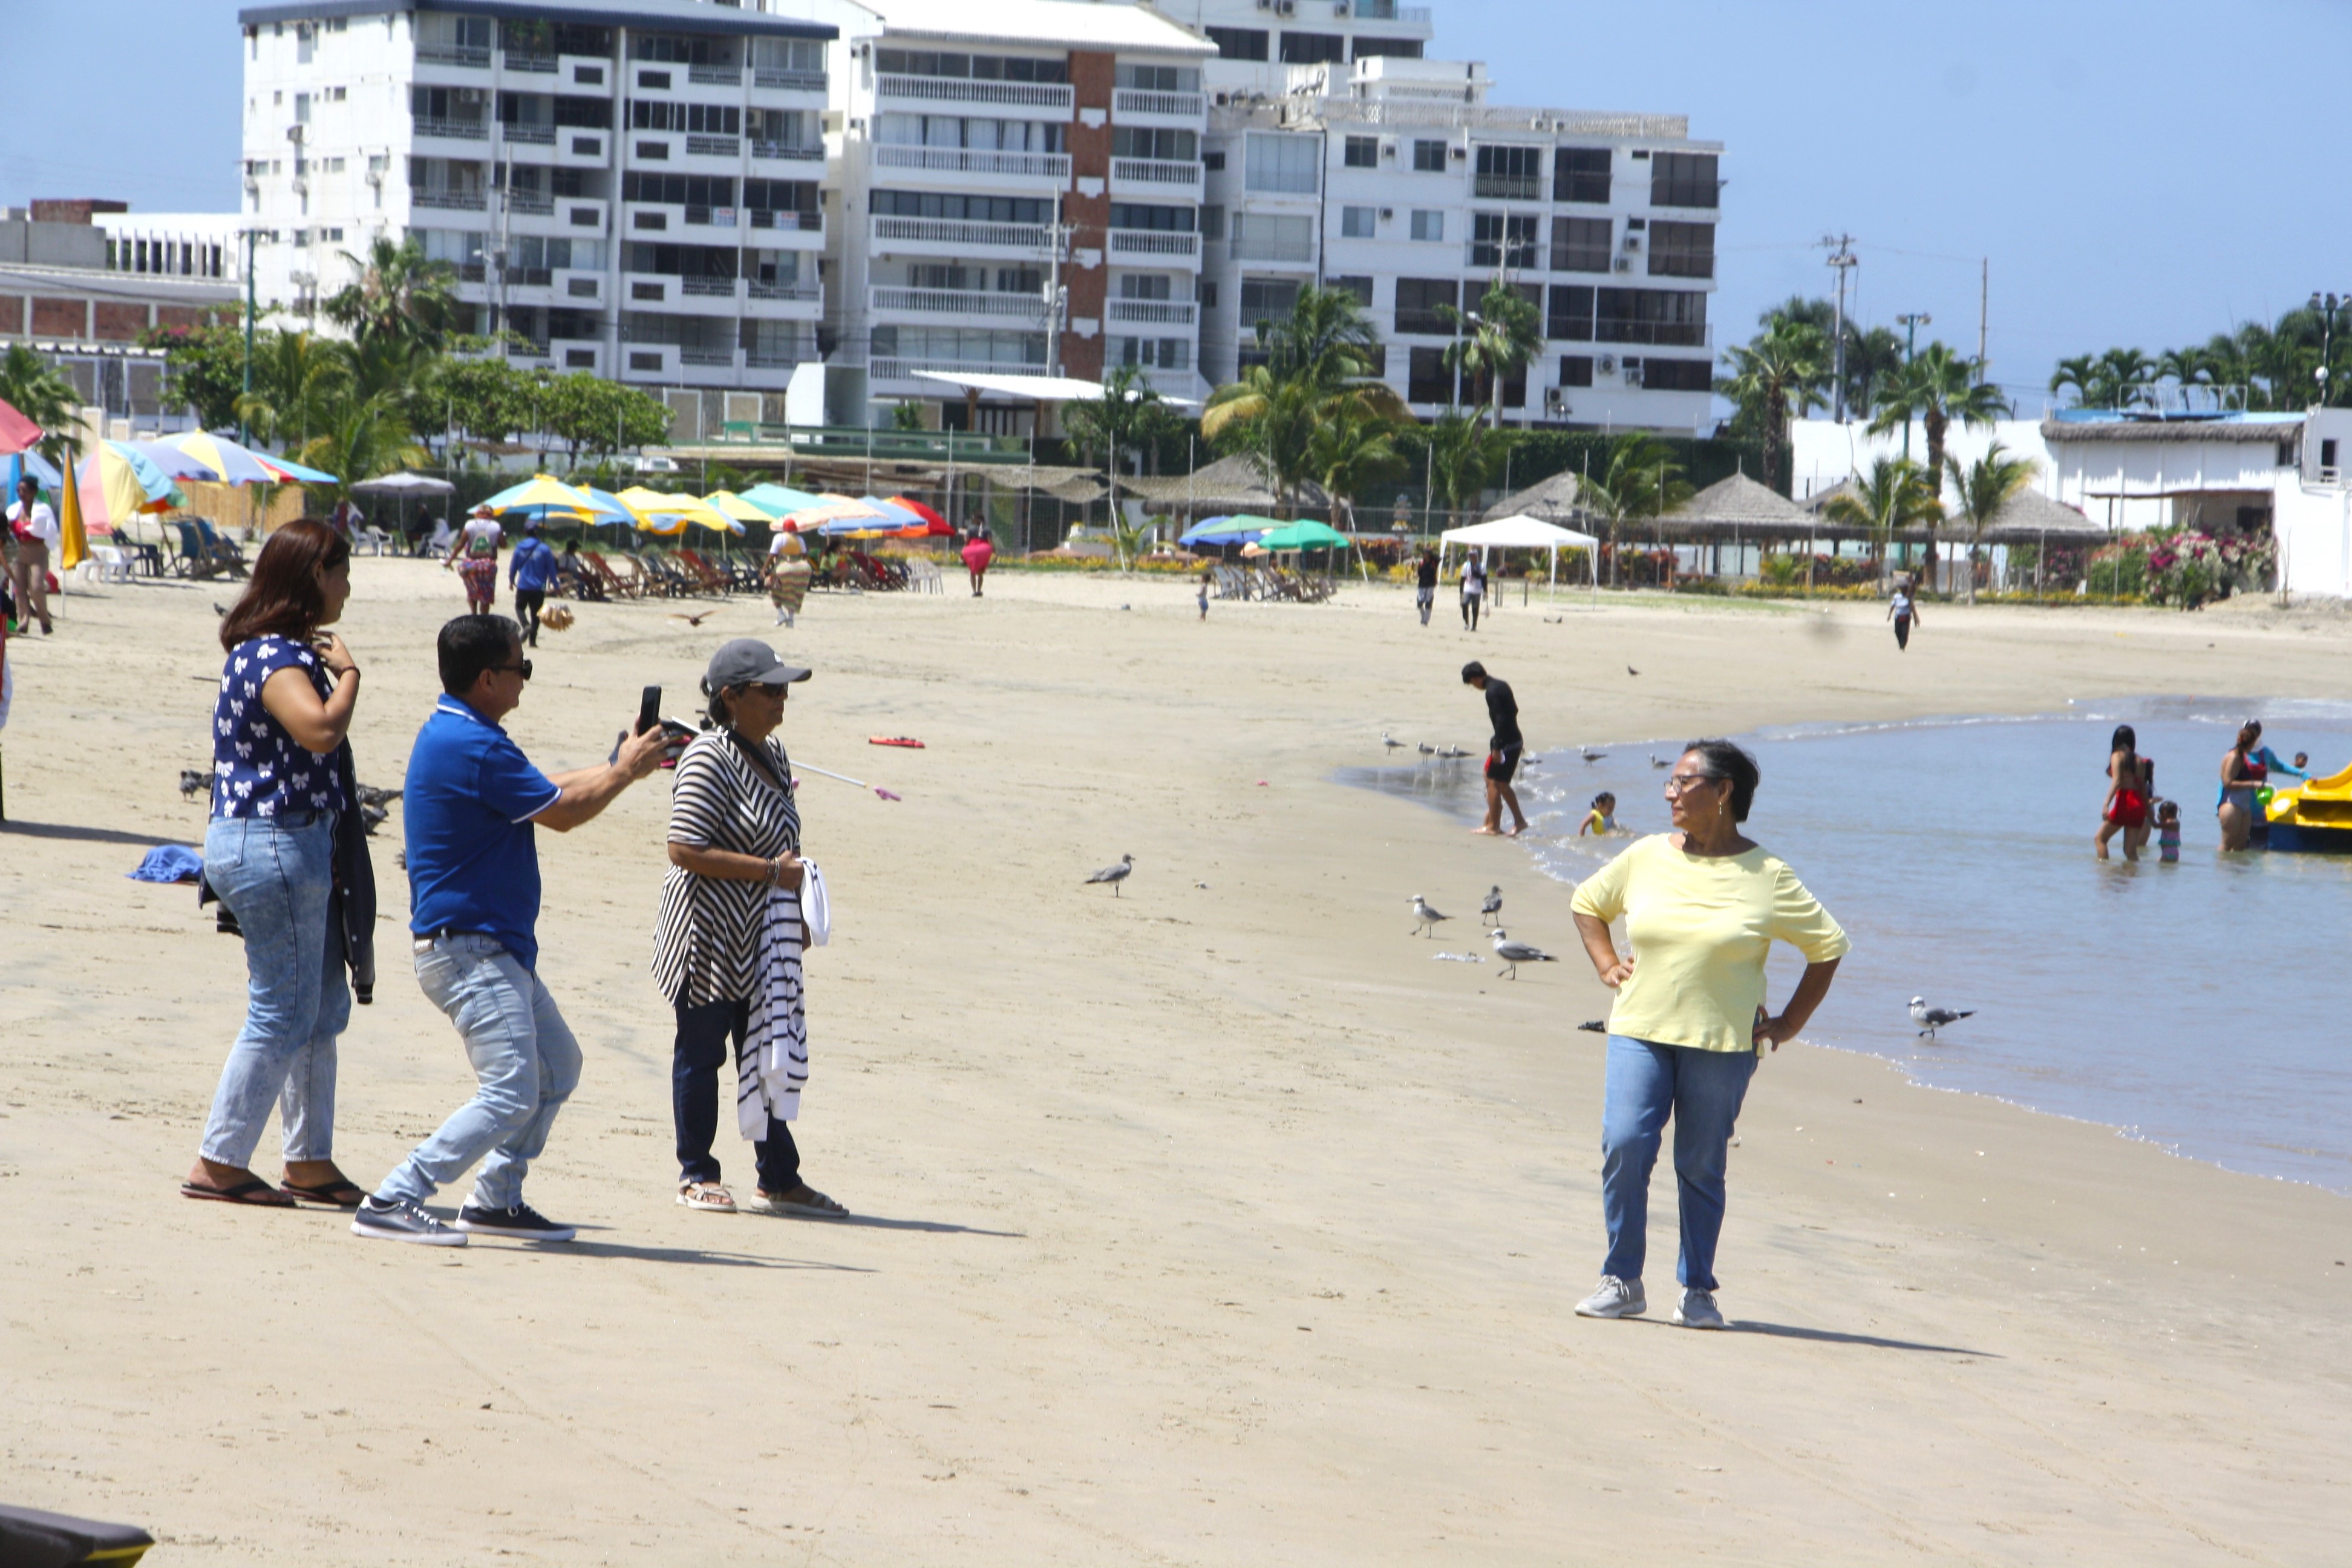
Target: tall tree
1352,448
1317,360
1465,456
363,437
42,394
1128,415
1505,332
299,379
1936,387
1893,495
398,293
1775,377
1980,489
204,368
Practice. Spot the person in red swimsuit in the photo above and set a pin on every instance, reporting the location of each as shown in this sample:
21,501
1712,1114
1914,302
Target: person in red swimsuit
2126,808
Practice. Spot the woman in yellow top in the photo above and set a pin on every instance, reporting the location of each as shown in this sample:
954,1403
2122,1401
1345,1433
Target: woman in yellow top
1702,906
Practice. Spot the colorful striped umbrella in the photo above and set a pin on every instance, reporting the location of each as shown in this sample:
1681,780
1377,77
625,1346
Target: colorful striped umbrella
777,501
660,512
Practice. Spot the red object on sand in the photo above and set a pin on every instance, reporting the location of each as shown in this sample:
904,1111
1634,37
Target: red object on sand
17,434
908,740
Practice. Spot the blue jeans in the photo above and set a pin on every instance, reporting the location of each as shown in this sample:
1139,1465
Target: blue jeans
1703,1091
276,877
523,1052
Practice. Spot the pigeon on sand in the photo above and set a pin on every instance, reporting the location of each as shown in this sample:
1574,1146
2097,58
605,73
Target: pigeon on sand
1424,918
1931,1019
1514,953
192,782
1114,875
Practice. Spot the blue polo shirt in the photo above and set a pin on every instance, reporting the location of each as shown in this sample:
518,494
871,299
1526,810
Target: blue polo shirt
473,864
531,567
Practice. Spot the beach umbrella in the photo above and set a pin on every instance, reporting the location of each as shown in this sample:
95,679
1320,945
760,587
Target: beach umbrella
830,509
73,543
938,525
1242,529
545,493
17,434
122,479
1306,535
288,471
405,484
230,463
729,504
778,499
660,512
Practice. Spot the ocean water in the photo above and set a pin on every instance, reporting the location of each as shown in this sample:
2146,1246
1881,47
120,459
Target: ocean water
2199,1005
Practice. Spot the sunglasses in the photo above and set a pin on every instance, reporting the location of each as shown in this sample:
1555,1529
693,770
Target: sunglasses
522,668
1677,783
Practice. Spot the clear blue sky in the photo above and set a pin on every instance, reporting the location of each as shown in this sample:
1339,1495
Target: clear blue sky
2140,172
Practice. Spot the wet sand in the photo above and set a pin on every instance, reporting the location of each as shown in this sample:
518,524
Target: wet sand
1202,1225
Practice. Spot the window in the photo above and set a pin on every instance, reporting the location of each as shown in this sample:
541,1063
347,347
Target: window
659,260
1238,42
1417,299
331,235
683,190
1313,48
1266,299
1428,378
1267,236
1580,244
670,49
1213,162
1136,215
1570,319
1167,145
1152,354
1159,79
977,68
1580,174
459,105
1682,180
1359,223
1682,249
1678,374
1281,163
1429,157
1398,49
1510,174
1213,223
1361,288
953,131
1663,316
589,113
964,345
968,208
700,118
335,94
1576,369
803,55
1503,239
1361,152
1205,292
780,196
1144,286
1427,225
301,109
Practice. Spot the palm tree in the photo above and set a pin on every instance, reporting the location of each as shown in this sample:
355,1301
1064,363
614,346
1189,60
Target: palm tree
362,437
398,294
1641,478
1774,378
1127,415
1464,455
1319,360
1939,386
1982,489
1505,332
1893,495
2081,372
41,393
1348,450
298,377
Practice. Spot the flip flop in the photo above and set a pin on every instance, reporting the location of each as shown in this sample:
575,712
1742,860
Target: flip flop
250,1192
334,1194
816,1206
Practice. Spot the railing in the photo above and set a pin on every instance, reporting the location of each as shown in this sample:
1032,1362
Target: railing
452,55
959,302
543,65
527,349
1661,334
1136,101
775,359
530,277
768,217
1153,242
725,358
960,89
1518,253
1027,236
470,272
525,130
787,150
708,288
1705,193
1581,258
893,369
1681,263
1155,171
1390,11
1155,312
713,146
1249,246
530,202
715,76
790,81
1053,166
795,290
1509,187
1423,323
455,129
459,201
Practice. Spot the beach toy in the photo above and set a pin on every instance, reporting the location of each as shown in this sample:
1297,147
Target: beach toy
2312,817
908,740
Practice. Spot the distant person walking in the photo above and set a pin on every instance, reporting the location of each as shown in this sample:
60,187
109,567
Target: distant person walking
33,529
1473,588
1425,583
1903,610
977,553
1702,907
286,856
478,541
789,574
471,800
530,573
1503,748
727,949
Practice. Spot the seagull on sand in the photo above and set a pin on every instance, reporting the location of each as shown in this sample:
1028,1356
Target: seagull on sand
1493,904
1391,742
1424,918
1931,1019
1114,875
1426,749
1514,953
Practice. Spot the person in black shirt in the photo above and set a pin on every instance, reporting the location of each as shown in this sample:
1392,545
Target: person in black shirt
1502,750
1425,577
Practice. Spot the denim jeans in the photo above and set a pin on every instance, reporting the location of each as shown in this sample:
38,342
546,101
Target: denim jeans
523,1052
1703,1091
276,877
694,1067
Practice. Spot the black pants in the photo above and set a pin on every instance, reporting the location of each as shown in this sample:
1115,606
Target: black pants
1902,632
529,602
1470,602
702,1053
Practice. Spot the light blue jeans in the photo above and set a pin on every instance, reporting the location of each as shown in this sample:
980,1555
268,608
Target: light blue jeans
276,877
1703,1089
523,1052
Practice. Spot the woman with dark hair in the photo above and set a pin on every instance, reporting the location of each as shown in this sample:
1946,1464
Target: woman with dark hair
737,908
1702,907
2127,807
2246,767
282,784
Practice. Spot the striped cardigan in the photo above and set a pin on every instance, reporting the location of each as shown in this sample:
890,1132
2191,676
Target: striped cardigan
707,942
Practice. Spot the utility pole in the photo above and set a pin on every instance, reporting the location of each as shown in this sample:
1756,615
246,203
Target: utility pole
1984,297
244,426
1843,261
1056,301
2327,305
1911,325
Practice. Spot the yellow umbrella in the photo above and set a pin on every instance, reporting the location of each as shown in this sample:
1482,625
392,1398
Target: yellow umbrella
736,507
660,513
75,541
542,490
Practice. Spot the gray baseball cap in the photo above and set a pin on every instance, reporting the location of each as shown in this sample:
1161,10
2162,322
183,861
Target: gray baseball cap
747,661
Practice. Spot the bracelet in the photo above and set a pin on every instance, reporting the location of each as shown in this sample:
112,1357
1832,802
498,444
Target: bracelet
775,872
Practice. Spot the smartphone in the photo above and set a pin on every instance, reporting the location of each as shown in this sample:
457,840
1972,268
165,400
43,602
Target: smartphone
648,710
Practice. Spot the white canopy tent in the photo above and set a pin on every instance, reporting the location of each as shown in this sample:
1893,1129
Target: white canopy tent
1524,532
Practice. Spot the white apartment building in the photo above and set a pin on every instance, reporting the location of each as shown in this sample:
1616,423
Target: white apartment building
628,188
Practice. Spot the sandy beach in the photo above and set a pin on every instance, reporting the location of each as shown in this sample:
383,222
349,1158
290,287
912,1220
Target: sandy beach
1213,1223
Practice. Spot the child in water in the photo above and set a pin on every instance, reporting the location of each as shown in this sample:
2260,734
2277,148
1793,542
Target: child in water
1602,818
2167,832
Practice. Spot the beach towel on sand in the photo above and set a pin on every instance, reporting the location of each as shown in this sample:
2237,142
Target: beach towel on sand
169,863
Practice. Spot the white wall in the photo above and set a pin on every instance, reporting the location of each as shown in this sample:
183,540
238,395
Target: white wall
2314,528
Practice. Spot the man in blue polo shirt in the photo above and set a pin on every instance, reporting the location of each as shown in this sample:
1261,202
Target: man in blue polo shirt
530,572
470,802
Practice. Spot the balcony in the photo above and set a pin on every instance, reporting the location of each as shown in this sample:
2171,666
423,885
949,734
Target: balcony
1705,194
951,233
1053,166
1152,242
452,201
1390,11
1512,253
452,54
789,150
804,290
1508,187
706,287
1056,96
1128,103
538,64
712,359
536,135
714,146
1660,334
1154,312
1153,172
794,221
791,81
895,369
532,203
451,129
1249,246
715,75
959,302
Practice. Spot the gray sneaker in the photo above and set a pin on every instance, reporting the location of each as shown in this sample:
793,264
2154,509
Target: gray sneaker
402,1221
1615,1299
1697,1311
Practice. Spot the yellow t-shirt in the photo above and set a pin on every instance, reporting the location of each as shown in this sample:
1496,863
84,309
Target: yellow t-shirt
1700,927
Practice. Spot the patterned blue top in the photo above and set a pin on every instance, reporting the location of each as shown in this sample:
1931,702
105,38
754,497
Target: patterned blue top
258,769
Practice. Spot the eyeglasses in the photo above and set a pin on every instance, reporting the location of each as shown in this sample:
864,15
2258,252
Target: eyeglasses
522,668
1677,783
